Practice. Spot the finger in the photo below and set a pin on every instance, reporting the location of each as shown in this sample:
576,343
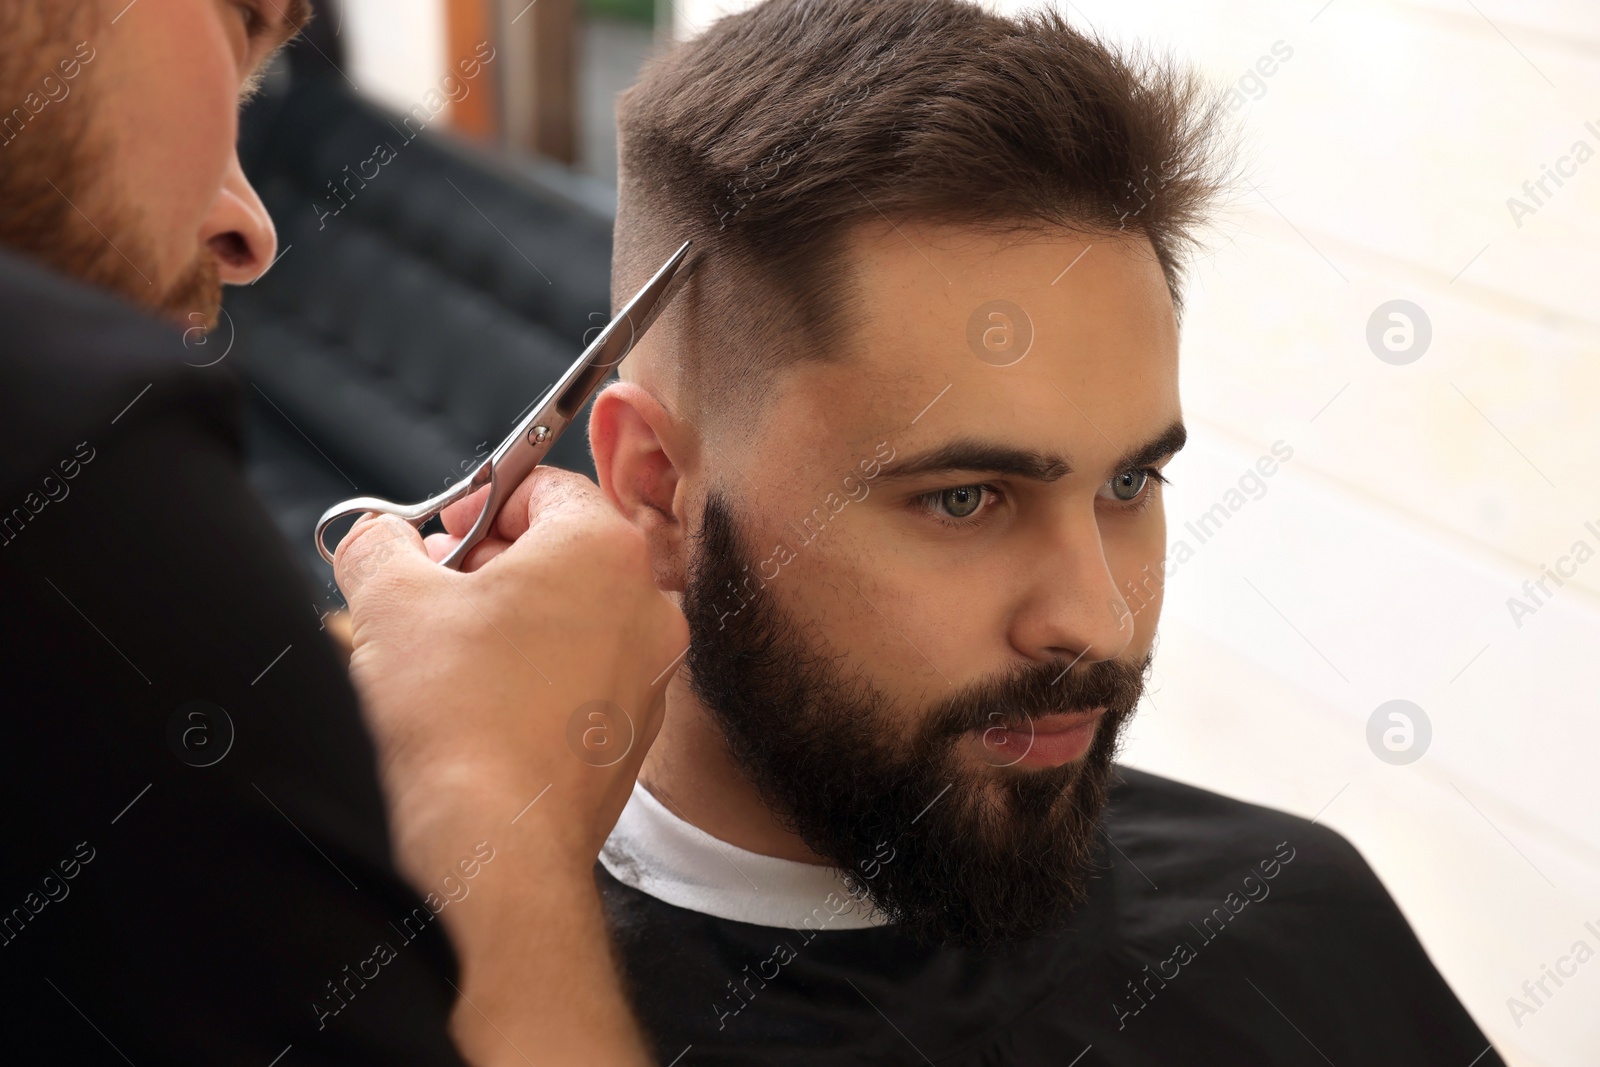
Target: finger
459,517
551,484
551,496
510,524
483,552
377,547
552,504
439,545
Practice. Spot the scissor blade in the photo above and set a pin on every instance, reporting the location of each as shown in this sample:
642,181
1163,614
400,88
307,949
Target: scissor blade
619,336
539,429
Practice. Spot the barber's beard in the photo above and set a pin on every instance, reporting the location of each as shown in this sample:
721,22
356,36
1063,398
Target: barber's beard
947,850
59,199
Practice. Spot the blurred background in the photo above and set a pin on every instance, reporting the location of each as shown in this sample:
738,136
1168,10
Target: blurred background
1400,295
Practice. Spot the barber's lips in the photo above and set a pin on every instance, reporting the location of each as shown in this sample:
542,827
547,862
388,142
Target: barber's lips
1046,741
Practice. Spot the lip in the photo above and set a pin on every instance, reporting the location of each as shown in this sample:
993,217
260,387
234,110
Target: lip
1048,741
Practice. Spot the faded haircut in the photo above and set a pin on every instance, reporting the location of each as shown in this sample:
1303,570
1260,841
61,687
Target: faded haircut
771,136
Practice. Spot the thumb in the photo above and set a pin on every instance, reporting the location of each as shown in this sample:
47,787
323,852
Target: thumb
379,550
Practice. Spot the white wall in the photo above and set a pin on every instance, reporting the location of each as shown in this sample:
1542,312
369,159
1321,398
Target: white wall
395,48
1378,563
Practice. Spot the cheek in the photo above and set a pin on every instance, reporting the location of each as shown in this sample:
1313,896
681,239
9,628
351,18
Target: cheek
180,63
880,619
1136,556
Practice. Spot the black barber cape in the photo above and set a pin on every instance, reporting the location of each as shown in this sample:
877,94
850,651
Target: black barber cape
195,866
1217,933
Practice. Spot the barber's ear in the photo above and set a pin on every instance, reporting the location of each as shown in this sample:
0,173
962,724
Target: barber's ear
631,439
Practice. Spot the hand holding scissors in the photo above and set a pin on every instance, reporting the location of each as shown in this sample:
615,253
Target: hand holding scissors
537,433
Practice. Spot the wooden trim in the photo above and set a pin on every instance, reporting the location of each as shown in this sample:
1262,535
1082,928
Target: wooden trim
541,77
469,24
555,77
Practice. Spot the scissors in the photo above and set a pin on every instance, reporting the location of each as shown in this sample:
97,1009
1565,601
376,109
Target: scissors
535,435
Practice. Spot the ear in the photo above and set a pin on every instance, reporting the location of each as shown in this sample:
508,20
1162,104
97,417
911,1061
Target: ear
633,441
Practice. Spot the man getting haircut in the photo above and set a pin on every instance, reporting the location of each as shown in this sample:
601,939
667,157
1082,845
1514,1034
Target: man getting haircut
899,447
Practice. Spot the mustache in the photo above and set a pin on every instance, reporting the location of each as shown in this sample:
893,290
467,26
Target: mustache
1015,699
196,293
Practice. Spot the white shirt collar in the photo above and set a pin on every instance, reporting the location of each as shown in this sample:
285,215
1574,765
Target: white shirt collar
657,853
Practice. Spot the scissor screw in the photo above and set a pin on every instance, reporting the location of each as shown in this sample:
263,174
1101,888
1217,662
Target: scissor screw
538,435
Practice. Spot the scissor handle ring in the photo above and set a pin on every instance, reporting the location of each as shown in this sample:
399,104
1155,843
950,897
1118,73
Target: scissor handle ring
415,514
358,506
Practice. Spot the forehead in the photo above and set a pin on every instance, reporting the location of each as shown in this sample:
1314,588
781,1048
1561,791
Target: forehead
1041,338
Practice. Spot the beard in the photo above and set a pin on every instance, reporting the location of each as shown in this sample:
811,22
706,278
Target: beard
946,850
58,198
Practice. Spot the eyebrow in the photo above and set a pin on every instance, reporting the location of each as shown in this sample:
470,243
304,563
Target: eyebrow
987,457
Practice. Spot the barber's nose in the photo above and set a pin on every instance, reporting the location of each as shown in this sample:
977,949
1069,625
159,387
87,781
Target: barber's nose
238,231
1074,610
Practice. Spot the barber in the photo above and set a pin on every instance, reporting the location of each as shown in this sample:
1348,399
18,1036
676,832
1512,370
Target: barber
218,850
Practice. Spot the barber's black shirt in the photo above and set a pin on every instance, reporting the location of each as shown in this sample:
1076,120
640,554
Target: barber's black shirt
195,866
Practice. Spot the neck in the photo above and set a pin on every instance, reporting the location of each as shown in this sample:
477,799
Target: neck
689,770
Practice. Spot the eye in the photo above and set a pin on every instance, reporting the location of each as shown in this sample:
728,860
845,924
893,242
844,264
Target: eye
956,506
962,501
1133,487
1128,485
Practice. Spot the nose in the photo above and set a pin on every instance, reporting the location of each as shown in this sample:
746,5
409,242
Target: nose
238,230
1073,610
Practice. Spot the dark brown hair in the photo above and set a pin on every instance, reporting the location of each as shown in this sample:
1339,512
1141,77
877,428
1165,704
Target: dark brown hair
770,136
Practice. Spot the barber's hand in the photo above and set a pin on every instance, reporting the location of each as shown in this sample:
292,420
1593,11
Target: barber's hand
472,682
460,517
511,705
